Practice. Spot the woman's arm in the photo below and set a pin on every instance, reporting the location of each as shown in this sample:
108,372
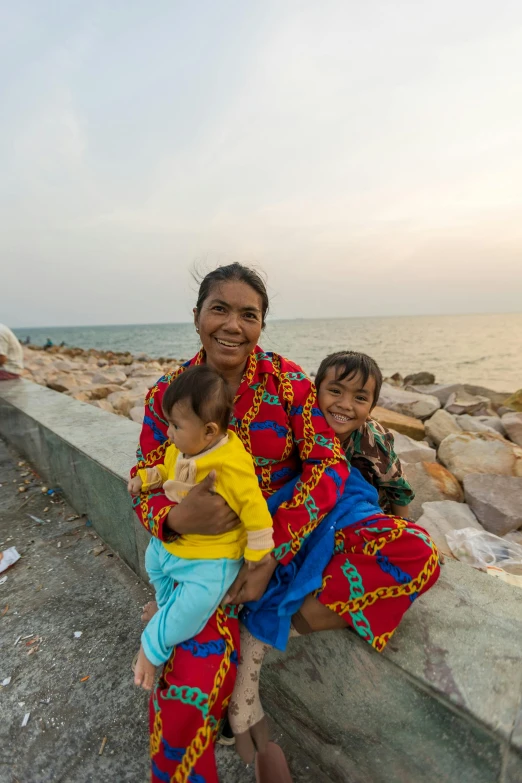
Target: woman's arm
323,474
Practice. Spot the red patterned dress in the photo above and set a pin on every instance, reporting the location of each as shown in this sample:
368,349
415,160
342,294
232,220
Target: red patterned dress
277,418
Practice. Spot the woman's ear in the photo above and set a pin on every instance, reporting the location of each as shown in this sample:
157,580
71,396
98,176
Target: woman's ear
196,318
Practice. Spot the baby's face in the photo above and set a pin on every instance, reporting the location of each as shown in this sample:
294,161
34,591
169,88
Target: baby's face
345,404
186,430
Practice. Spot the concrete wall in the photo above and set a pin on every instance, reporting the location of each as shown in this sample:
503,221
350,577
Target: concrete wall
442,704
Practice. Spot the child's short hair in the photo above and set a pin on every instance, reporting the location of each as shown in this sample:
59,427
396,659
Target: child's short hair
206,391
351,363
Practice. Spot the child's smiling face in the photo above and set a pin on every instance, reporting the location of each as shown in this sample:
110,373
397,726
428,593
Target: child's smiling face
345,404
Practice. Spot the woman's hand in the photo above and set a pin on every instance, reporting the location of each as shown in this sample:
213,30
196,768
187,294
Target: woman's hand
250,585
202,511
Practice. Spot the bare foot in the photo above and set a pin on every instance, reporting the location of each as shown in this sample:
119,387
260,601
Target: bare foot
149,610
144,672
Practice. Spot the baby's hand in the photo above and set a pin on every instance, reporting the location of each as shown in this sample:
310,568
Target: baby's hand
134,485
252,565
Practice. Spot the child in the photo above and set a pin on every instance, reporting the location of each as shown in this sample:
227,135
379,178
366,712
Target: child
348,386
192,574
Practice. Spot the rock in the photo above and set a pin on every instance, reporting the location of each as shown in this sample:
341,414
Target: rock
123,401
460,402
136,414
66,366
420,406
102,362
480,452
496,501
410,450
103,404
495,397
141,385
441,391
431,481
441,516
395,379
440,426
407,425
140,370
469,423
515,536
61,381
493,422
514,401
142,357
512,423
95,392
422,378
109,375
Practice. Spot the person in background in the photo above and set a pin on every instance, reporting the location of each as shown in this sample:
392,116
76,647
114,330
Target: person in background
11,355
48,344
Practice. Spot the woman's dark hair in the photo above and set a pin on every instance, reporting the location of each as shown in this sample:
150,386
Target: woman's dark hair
233,272
207,392
348,364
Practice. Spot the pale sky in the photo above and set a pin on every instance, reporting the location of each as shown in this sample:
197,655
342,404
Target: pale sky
367,156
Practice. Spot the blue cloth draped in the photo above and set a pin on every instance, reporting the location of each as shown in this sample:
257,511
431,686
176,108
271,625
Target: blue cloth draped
269,618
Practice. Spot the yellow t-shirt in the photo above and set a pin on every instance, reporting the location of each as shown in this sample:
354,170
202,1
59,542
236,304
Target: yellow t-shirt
236,482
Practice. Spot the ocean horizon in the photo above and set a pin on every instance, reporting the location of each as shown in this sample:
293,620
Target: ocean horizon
484,349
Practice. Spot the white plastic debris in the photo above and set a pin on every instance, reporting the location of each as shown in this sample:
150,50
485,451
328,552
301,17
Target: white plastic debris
3,580
8,558
6,682
26,719
77,634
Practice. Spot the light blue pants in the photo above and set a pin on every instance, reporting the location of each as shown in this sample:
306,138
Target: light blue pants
188,592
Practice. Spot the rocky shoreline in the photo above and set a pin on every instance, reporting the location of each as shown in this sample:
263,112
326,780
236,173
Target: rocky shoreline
461,445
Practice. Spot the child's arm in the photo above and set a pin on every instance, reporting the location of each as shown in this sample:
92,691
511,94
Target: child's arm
388,468
147,479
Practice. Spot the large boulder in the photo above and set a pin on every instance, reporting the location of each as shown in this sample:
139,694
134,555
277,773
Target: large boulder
422,378
109,375
460,402
141,385
496,501
138,370
440,425
62,381
441,516
469,423
103,404
514,401
431,481
512,423
410,450
493,422
95,392
396,421
420,406
480,452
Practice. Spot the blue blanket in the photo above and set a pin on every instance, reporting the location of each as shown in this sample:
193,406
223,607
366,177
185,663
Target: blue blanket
269,618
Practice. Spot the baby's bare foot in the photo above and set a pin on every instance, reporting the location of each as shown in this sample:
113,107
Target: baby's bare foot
149,610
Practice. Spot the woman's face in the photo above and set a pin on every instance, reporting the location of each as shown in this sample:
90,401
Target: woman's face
229,324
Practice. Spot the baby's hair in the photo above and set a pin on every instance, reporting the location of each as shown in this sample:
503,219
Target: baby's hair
348,364
206,391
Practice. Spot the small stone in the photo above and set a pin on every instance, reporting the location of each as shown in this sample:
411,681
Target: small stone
440,425
439,517
496,501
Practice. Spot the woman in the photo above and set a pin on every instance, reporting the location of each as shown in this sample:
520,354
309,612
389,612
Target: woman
276,417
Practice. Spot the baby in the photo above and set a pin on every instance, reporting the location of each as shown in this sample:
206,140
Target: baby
192,574
348,386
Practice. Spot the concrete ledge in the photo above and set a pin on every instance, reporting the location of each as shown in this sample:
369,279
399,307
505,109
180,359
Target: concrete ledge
441,704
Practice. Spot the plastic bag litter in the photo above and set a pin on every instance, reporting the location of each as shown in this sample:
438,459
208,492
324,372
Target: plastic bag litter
8,558
487,552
